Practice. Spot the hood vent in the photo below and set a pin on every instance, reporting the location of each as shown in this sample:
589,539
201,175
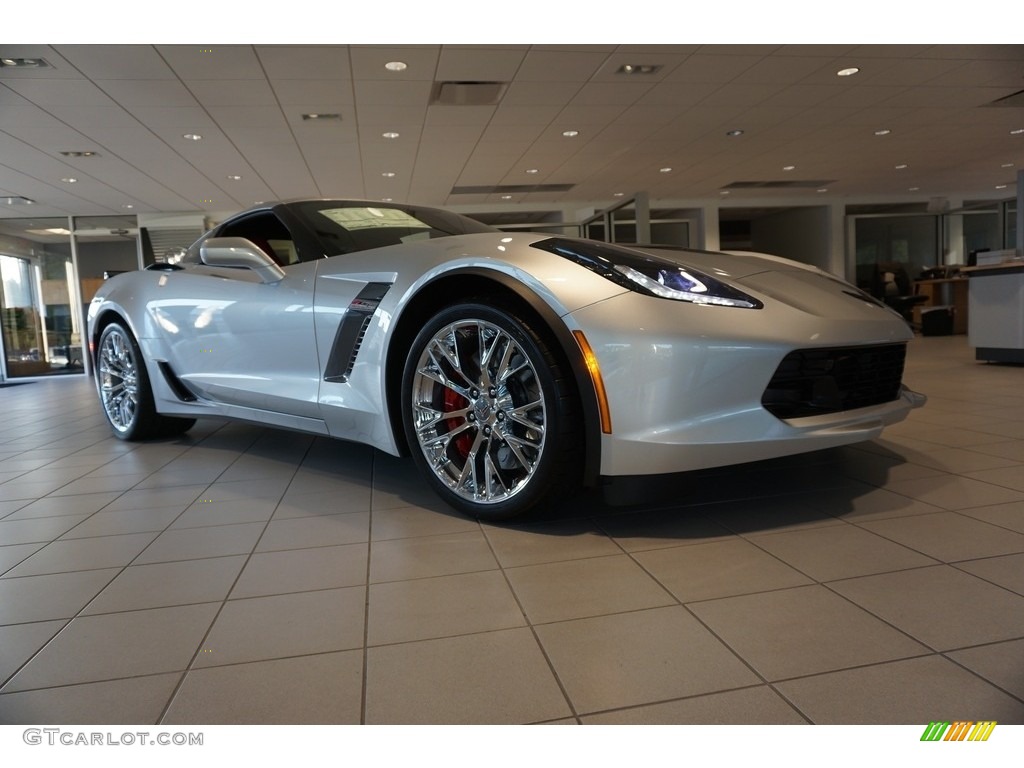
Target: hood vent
468,93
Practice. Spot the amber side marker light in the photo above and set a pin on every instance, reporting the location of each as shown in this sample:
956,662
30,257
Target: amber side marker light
595,376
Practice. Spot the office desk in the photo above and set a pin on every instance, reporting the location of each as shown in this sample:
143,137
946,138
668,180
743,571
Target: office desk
945,292
997,306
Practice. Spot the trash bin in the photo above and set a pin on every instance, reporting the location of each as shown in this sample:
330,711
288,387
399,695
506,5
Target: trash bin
937,321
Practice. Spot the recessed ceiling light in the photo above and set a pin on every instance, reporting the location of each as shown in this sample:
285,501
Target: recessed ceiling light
21,63
506,197
734,132
666,169
532,170
638,69
386,199
396,66
900,167
619,194
848,71
570,134
1000,186
823,189
723,192
321,116
882,132
390,134
1017,131
789,167
129,206
234,177
1006,165
388,174
913,189
69,180
192,136
76,153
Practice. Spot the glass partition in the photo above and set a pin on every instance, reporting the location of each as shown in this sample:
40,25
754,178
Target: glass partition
42,322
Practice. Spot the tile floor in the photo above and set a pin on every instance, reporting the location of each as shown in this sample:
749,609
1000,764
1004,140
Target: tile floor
248,575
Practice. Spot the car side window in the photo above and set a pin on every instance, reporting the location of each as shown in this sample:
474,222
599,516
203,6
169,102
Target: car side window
267,232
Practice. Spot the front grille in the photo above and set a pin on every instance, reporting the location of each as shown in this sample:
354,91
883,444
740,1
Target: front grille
810,382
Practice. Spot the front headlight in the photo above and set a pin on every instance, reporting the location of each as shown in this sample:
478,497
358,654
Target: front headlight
648,274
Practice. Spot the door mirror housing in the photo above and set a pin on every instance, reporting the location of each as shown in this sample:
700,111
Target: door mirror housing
238,252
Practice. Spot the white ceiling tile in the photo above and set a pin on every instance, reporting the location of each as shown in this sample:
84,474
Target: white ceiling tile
231,93
54,91
213,62
148,93
297,62
113,62
482,64
549,66
311,92
381,92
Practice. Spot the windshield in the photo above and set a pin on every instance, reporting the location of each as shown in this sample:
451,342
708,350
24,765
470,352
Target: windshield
344,227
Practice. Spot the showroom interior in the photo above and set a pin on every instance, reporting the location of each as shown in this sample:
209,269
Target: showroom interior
245,574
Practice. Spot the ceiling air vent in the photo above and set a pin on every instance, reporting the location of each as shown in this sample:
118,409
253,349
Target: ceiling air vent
16,200
796,184
510,189
468,93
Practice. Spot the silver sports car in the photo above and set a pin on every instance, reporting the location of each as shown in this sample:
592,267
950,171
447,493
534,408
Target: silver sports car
513,367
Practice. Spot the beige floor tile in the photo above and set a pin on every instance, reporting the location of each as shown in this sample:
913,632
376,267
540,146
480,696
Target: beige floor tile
426,556
422,609
949,536
802,631
578,588
302,570
625,660
117,645
136,701
489,678
718,569
258,628
160,585
311,690
941,606
748,706
911,692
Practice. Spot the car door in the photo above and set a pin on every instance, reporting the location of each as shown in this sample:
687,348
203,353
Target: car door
237,340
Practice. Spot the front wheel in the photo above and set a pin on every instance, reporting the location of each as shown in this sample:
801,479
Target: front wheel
490,417
125,391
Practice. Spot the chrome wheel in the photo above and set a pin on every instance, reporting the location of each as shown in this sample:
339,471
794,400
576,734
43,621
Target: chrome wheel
479,412
117,370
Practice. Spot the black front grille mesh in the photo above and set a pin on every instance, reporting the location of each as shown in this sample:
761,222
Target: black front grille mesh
809,382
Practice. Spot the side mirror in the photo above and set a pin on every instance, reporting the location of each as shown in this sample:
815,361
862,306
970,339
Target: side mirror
239,252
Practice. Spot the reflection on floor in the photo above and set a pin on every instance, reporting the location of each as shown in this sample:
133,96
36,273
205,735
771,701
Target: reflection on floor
248,575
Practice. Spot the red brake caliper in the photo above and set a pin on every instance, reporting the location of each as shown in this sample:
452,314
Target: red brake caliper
453,401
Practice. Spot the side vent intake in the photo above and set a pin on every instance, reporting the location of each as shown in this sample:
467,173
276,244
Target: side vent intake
352,331
177,386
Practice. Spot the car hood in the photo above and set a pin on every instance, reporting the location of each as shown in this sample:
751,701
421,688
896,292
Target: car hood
734,265
800,286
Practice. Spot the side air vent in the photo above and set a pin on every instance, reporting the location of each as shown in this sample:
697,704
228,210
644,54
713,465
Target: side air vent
351,332
177,386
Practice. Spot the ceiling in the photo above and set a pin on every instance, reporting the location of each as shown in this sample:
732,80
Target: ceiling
133,104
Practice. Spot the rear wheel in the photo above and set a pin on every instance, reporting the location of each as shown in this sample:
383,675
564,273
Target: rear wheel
491,419
125,391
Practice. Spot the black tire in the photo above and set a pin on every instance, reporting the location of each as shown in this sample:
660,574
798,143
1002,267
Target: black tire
492,440
125,391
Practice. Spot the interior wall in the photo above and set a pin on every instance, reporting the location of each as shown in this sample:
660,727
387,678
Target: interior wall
801,234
